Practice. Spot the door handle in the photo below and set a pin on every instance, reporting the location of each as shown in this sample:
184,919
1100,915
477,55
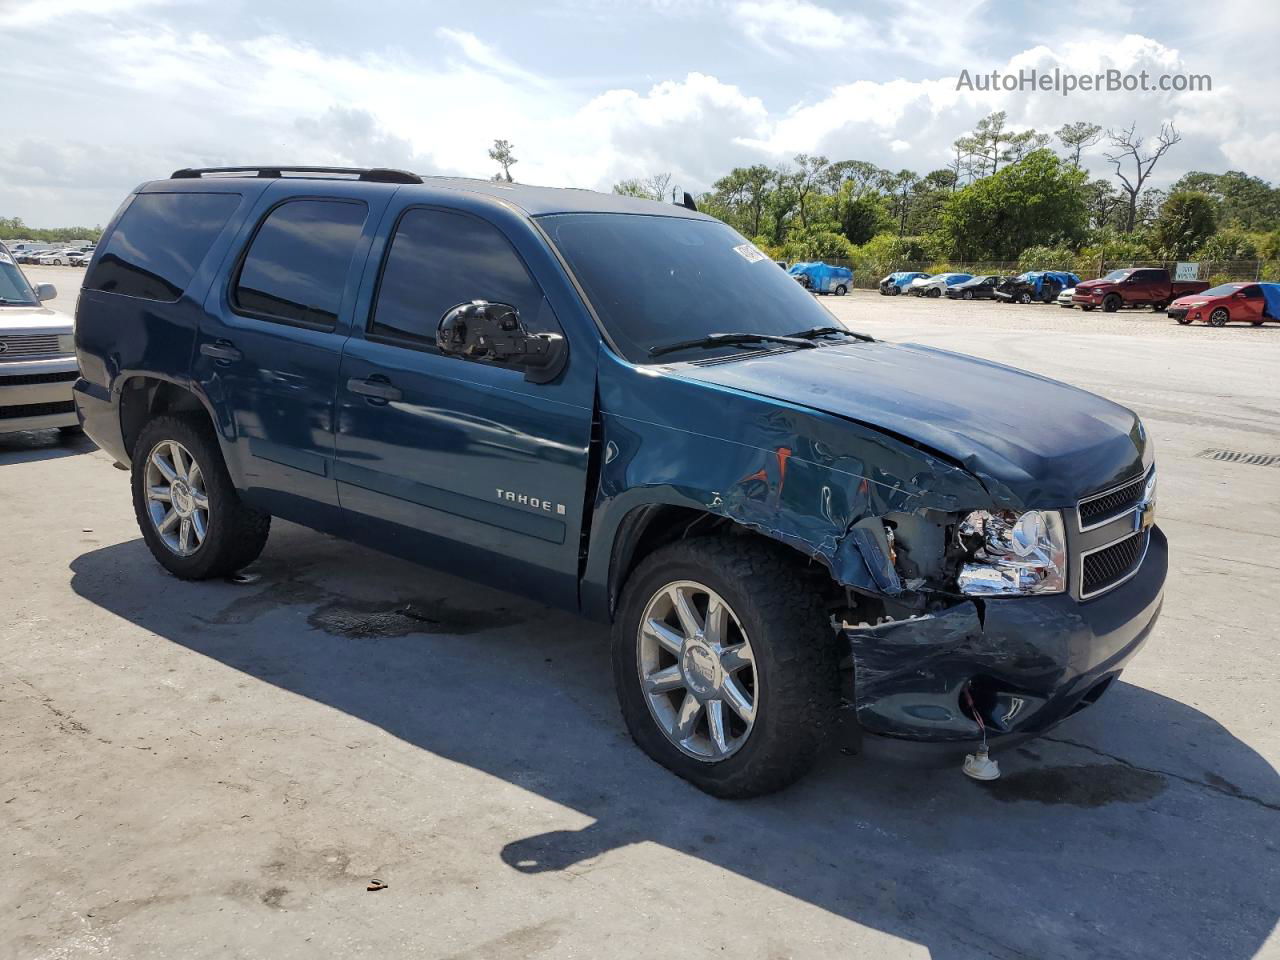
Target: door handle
374,389
222,351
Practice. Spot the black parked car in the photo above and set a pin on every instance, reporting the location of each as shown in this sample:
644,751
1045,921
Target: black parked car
979,288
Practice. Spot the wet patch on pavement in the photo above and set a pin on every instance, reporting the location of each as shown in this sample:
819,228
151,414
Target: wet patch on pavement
363,620
1088,785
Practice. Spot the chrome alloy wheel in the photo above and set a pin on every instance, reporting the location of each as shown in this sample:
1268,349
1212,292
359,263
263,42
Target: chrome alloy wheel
697,671
177,501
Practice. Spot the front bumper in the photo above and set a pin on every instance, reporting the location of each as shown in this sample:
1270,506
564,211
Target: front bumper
1029,662
36,394
1087,299
1177,313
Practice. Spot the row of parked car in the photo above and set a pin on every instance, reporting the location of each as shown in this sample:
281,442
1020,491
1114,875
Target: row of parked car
1185,301
74,255
1034,286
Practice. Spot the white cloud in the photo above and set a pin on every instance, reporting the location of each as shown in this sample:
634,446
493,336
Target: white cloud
797,23
214,92
20,15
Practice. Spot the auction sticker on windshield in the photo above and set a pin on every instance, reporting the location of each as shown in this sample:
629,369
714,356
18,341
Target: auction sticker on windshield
748,252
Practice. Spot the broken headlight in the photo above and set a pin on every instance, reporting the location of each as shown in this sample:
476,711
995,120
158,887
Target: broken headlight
1010,554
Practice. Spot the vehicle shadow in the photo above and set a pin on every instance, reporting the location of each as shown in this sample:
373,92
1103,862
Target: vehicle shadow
28,446
1137,829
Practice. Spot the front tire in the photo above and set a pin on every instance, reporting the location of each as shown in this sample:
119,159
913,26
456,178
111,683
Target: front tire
1111,303
934,292
725,665
188,510
968,295
1219,317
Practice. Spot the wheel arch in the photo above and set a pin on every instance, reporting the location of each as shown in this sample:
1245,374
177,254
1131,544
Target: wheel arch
144,397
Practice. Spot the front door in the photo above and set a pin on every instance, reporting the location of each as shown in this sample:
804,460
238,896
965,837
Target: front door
270,342
457,463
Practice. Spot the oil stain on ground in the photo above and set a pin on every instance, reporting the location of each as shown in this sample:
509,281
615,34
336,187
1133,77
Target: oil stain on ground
364,620
1088,785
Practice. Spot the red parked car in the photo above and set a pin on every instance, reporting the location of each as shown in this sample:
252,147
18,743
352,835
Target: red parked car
1133,287
1254,303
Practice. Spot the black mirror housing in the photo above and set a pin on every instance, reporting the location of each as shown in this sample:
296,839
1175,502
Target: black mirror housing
481,330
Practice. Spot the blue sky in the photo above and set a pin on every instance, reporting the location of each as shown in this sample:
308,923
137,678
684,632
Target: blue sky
103,94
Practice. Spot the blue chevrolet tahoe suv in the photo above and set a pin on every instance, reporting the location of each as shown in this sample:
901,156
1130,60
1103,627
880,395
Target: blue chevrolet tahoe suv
625,409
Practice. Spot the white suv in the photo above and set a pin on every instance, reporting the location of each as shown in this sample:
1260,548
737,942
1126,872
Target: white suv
37,355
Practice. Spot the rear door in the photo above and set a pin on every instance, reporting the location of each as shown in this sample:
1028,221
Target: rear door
270,341
458,463
1248,304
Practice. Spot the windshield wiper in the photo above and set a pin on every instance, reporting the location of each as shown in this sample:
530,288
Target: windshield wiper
814,332
729,339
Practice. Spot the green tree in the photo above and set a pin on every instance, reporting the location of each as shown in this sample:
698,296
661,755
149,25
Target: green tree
1243,201
1037,201
861,218
1077,137
1186,220
504,154
1229,244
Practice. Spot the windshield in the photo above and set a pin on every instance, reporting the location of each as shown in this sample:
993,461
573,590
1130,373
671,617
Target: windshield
1116,275
657,280
1223,291
13,285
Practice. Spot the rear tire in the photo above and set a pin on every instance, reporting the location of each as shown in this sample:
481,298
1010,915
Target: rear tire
841,290
234,534
792,678
934,292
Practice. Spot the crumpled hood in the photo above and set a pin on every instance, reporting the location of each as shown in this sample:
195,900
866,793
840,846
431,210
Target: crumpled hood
1029,438
15,320
1094,284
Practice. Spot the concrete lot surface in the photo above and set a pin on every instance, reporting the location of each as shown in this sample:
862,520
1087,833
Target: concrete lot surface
219,769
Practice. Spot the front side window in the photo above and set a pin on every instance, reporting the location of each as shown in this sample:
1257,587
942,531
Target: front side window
439,260
656,280
158,243
295,270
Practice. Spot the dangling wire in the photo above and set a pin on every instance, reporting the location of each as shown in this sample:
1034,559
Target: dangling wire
973,711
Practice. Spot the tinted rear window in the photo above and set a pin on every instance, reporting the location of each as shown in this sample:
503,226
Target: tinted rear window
296,267
159,242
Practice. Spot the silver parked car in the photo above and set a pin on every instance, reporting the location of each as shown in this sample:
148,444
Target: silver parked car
37,355
1064,298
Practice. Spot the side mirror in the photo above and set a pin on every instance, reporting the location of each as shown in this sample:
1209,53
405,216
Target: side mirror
46,291
481,330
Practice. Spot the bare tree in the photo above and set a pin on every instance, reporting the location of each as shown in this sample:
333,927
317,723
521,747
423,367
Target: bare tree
504,153
1078,137
1126,146
653,187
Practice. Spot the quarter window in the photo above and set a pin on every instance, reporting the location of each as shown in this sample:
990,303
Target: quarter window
296,268
439,260
158,243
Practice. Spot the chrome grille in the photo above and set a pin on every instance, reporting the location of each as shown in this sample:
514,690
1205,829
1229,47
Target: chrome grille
1104,568
1106,506
24,346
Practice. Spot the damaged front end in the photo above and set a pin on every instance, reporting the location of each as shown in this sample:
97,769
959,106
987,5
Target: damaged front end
982,639
953,560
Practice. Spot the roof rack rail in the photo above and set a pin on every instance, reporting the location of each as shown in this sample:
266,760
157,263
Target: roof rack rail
368,174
